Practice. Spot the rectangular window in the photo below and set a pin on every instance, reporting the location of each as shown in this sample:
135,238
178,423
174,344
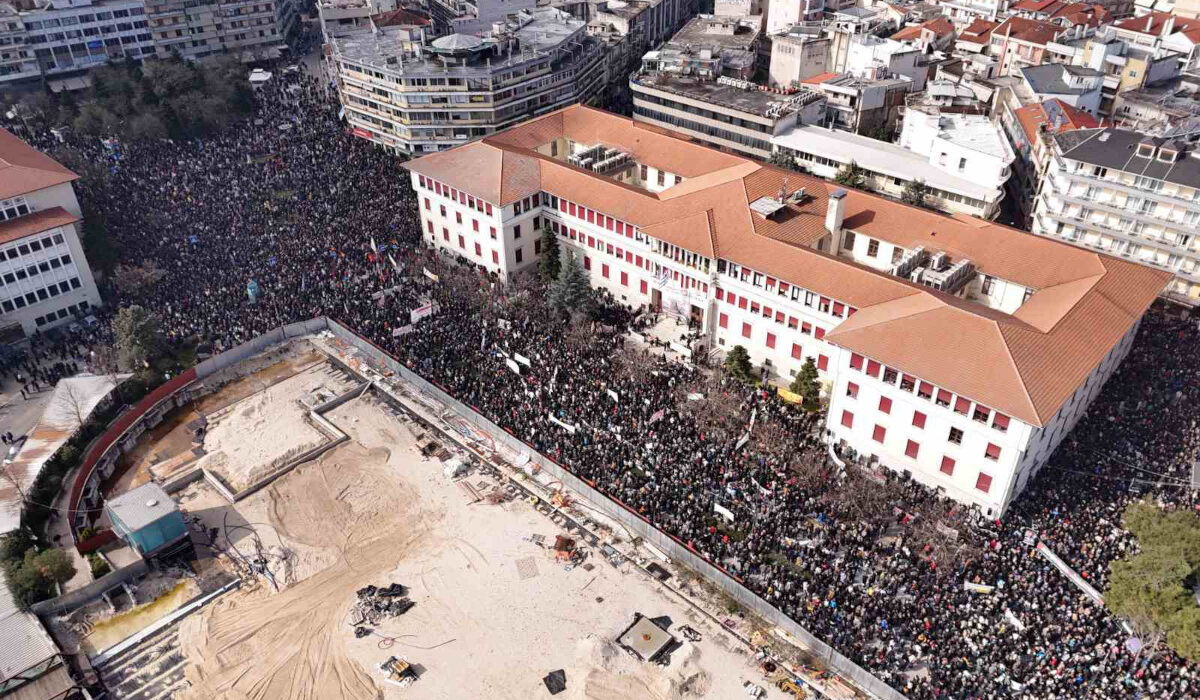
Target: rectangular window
495,257
458,217
961,405
771,340
852,390
879,434
820,333
856,361
847,419
587,263
462,243
822,362
956,436
478,251
981,414
908,383
796,351
517,231
604,270
912,449
885,404
947,466
926,391
873,368
873,248
427,204
1000,422
992,452
943,397
493,232
745,330
519,254
723,320
918,419
984,482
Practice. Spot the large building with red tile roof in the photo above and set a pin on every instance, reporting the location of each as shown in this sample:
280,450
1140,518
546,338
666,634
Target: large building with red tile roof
954,349
45,280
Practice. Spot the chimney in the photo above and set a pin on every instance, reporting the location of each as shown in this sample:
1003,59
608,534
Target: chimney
835,213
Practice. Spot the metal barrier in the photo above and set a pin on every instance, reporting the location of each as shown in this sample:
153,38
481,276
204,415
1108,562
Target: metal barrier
672,546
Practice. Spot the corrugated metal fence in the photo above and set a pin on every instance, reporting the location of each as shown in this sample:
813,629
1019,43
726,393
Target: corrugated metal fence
672,547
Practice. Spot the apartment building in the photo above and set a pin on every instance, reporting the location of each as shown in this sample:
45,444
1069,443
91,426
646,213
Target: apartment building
1127,194
342,17
251,29
53,38
962,158
45,280
952,349
798,54
412,95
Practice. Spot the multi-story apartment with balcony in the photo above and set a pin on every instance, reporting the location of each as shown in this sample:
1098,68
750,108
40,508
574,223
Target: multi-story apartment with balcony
252,29
953,349
411,95
45,280
49,38
1127,194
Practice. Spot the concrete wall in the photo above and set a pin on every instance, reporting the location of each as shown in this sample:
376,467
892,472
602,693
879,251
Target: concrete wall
82,596
672,547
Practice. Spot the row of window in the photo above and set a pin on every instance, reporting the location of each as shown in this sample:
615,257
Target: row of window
789,291
37,269
912,449
12,208
759,145
42,294
628,256
929,392
53,316
797,351
454,194
956,434
31,247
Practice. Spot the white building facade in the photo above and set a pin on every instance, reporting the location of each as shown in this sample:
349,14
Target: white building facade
45,280
857,284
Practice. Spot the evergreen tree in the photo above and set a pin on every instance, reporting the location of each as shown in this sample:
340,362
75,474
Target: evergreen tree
549,265
571,292
807,385
916,193
737,364
850,175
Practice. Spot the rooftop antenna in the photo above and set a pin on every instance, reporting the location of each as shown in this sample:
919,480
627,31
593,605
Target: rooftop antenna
783,190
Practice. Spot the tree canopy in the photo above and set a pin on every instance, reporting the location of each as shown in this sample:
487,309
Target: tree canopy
806,384
571,292
549,265
137,337
850,175
916,193
1152,589
737,364
158,99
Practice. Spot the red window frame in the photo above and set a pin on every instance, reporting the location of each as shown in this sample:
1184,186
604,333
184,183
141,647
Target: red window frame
879,434
961,405
912,449
992,452
770,340
797,352
722,320
747,330
822,362
1000,422
918,420
847,419
947,467
983,482
885,404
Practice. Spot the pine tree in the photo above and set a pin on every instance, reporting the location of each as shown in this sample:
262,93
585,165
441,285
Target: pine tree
571,291
737,364
549,265
806,384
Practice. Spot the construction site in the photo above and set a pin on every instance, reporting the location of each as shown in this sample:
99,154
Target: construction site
380,548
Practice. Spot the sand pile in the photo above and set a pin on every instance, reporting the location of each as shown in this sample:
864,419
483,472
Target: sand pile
604,671
255,645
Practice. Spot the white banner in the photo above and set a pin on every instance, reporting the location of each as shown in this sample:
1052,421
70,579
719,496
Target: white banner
402,330
1070,573
513,366
521,358
613,395
977,587
430,275
742,441
681,349
1008,615
422,311
723,511
503,323
566,426
658,415
695,396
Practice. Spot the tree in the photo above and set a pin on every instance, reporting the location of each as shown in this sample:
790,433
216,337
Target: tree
35,577
782,160
14,545
571,291
807,385
850,175
1151,589
737,364
549,265
133,279
146,126
915,193
137,337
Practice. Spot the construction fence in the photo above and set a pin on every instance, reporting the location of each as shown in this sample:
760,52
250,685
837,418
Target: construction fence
631,520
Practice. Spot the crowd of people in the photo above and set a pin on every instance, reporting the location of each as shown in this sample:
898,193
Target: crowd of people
324,224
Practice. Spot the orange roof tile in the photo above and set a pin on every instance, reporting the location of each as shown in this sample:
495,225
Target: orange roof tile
1066,118
819,78
1024,364
1153,22
978,31
1028,30
25,169
37,222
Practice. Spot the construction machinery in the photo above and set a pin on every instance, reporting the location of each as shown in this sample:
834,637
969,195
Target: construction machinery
792,686
398,671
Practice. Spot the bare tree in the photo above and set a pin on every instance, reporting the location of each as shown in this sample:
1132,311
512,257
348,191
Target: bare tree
133,279
74,401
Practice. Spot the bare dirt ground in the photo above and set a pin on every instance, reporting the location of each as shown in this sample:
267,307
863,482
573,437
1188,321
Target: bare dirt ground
494,611
249,438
